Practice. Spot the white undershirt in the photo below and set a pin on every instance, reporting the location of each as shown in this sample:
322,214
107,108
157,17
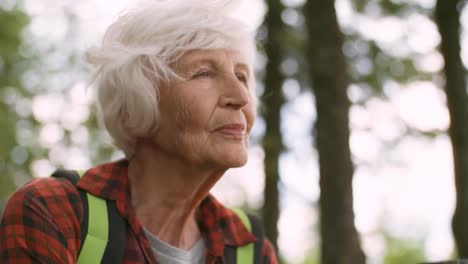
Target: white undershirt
167,254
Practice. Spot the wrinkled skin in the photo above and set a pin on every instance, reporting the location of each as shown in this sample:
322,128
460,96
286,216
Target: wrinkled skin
205,120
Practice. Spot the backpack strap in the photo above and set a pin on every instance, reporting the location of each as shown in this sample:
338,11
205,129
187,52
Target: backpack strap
257,230
103,230
74,177
250,253
97,236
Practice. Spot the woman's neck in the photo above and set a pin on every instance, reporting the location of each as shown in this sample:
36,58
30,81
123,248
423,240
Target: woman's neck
165,194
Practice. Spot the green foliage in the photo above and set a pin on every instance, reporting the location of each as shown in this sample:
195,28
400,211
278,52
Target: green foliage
387,7
12,23
360,5
28,70
8,131
398,251
401,251
12,65
313,257
383,66
392,7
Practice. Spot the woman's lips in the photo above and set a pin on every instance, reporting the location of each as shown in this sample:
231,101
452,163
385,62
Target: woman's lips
232,130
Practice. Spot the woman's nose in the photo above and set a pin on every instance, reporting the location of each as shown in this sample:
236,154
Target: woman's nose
235,94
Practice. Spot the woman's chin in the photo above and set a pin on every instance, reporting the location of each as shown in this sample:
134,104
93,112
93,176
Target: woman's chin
238,164
232,161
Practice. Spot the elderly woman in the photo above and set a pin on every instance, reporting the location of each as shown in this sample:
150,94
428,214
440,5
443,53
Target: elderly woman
175,89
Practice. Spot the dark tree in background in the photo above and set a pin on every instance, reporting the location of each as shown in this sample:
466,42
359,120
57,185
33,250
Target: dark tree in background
272,102
340,240
447,14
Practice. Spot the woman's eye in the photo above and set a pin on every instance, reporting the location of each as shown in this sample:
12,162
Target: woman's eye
202,73
242,77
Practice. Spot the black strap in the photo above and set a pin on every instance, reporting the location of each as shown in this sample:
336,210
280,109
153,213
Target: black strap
257,230
230,255
115,248
230,252
70,175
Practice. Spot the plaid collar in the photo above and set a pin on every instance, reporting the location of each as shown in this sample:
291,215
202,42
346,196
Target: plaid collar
218,225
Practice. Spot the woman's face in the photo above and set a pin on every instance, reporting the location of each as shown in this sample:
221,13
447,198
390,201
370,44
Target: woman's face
205,119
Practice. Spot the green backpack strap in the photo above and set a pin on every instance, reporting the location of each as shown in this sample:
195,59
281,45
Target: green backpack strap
103,230
95,242
250,253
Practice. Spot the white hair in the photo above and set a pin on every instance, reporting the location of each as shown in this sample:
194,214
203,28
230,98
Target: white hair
137,52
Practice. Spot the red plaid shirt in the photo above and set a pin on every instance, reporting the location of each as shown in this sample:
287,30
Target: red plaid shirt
41,222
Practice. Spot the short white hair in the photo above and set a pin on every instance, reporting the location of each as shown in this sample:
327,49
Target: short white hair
137,52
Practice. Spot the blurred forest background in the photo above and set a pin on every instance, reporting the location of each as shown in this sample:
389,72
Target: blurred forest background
360,153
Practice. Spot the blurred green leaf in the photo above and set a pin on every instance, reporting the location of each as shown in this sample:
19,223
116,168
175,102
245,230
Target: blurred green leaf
400,251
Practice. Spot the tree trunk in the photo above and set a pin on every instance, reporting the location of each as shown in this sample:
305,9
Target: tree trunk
448,22
273,101
340,240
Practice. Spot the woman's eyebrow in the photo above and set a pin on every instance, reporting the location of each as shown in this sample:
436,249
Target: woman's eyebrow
242,66
191,65
214,64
